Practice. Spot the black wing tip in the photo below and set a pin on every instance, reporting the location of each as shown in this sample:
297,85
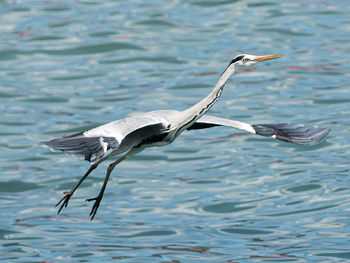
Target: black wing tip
88,148
318,136
48,144
294,133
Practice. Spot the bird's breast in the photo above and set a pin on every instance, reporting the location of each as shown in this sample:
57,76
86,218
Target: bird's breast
155,140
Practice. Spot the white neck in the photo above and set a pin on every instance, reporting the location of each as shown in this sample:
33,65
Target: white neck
189,116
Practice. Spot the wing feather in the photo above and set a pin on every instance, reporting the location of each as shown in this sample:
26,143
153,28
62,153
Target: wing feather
288,132
87,148
119,136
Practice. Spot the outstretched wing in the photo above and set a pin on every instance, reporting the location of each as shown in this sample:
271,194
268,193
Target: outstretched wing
88,148
119,136
289,132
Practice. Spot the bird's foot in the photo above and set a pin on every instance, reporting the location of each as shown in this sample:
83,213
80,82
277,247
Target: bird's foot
95,206
65,200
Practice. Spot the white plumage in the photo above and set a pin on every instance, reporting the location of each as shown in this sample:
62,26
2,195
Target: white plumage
157,128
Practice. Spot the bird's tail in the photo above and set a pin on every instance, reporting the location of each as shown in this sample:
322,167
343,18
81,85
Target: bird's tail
82,147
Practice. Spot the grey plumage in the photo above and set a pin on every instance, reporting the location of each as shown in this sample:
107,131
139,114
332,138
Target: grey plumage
157,128
294,133
88,148
94,148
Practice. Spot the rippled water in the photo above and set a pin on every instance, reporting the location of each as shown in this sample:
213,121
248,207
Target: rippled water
213,195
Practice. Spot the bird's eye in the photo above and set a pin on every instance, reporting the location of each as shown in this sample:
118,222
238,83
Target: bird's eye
245,59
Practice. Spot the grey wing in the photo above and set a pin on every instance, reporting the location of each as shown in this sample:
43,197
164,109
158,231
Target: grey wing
288,132
88,148
119,136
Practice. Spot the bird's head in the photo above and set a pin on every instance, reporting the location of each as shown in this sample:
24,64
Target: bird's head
247,60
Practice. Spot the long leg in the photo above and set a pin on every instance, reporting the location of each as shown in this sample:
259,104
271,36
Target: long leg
68,194
98,198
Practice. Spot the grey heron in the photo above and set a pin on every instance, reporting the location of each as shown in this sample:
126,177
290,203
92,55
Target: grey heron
131,135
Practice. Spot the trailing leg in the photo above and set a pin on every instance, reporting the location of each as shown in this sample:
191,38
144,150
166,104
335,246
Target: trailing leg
68,194
98,198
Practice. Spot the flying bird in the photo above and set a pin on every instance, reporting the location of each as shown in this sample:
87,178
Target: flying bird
131,135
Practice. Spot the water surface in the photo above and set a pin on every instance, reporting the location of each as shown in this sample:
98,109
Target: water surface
213,195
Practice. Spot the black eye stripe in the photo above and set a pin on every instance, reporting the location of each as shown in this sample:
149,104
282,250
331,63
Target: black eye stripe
237,58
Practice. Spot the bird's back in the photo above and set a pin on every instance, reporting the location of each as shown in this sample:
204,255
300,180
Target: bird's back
145,129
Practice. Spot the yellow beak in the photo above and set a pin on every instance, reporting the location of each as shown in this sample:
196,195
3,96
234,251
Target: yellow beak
266,57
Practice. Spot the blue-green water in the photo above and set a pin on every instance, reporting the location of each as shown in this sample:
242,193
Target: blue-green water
211,196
